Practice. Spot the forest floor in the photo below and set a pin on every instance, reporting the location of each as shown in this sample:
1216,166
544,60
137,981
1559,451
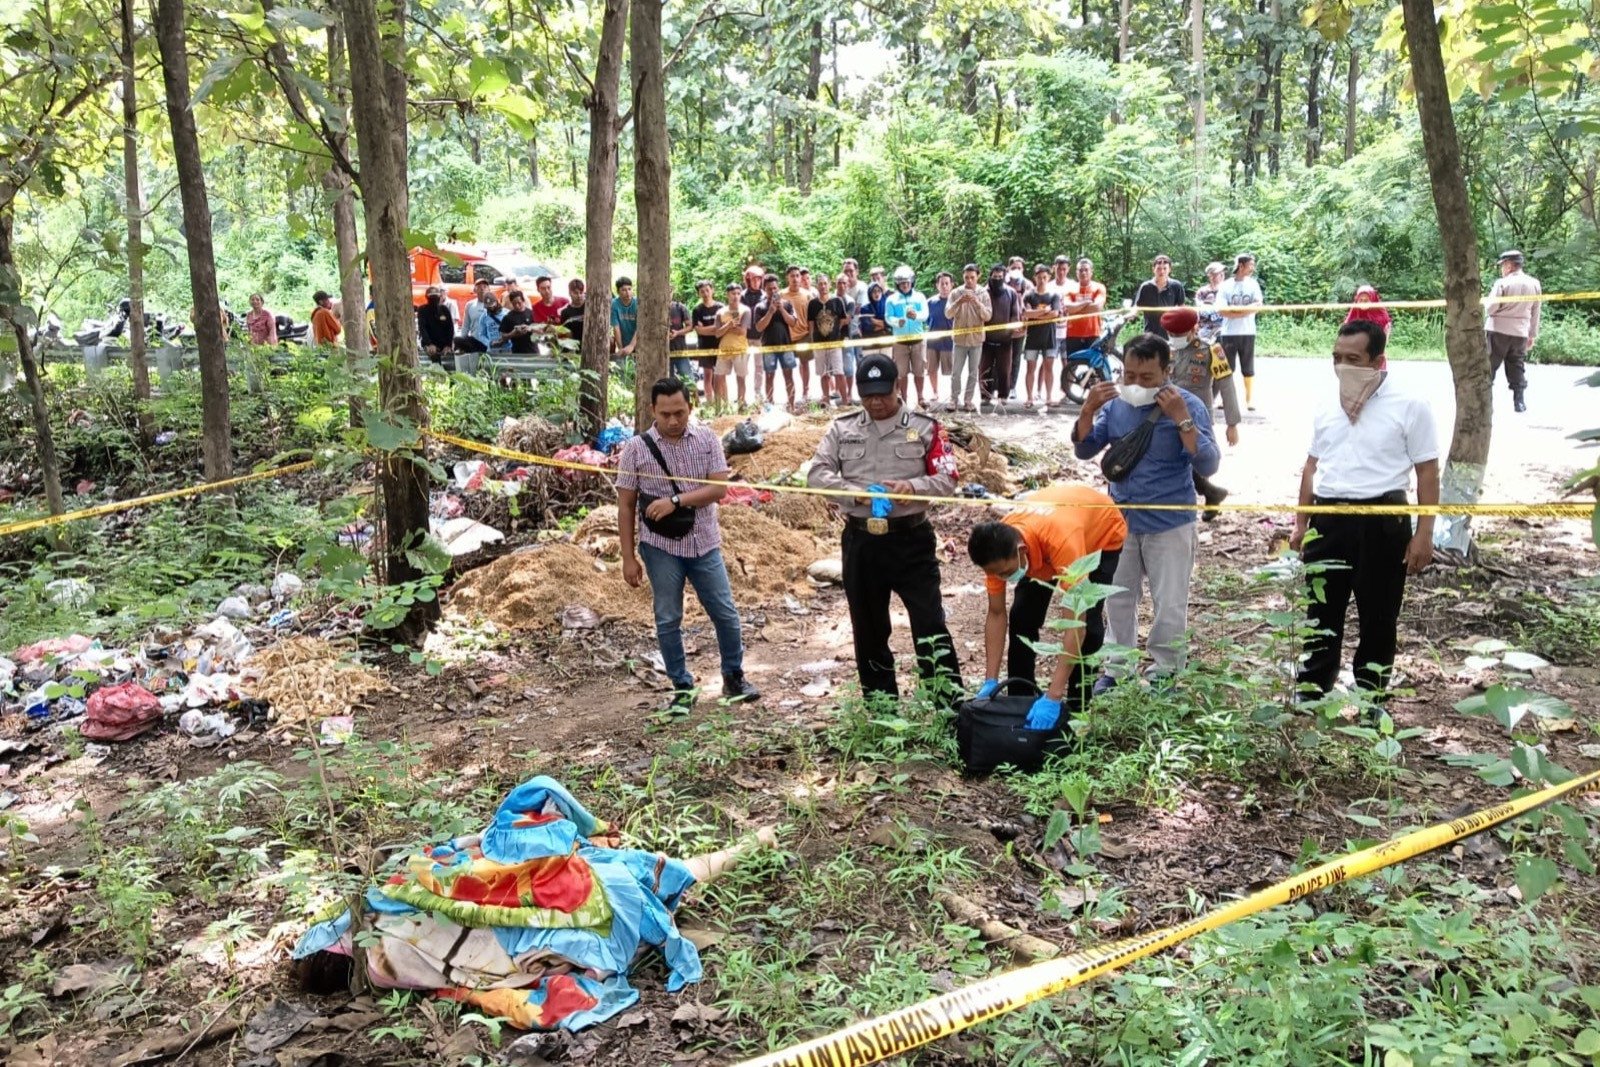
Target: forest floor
150,921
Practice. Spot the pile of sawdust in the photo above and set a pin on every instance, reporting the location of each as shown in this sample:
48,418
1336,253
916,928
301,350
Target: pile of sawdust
531,434
528,589
307,678
800,511
984,465
785,451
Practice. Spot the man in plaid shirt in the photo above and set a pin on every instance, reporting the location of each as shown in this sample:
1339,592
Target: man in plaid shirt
690,452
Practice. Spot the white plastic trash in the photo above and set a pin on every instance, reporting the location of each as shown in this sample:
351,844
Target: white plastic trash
287,585
235,607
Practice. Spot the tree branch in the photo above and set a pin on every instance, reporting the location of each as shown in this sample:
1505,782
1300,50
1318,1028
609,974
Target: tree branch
278,63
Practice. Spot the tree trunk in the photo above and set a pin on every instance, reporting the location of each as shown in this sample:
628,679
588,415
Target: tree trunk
1314,56
9,278
1464,341
652,191
1352,84
138,365
216,430
1197,40
599,214
533,161
346,237
1124,16
808,129
376,67
838,136
969,74
999,112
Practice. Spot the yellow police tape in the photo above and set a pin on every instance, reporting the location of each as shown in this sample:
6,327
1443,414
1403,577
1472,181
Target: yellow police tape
1254,309
874,1040
24,525
1551,510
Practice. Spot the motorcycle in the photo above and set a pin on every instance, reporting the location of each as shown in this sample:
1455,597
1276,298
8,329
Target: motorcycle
291,332
98,331
1099,362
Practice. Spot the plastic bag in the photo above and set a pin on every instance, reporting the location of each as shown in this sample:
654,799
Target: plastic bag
120,712
742,439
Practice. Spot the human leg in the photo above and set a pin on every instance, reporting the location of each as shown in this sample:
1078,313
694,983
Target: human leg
1337,548
667,574
1122,607
1247,368
769,370
709,576
866,593
1030,603
1379,585
913,570
919,370
1169,567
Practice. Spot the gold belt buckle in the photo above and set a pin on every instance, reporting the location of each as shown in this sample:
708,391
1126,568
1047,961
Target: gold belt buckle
877,526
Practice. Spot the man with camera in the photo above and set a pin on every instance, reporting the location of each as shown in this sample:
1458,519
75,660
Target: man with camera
678,536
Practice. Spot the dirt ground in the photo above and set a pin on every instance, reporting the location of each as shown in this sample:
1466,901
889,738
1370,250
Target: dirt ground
577,701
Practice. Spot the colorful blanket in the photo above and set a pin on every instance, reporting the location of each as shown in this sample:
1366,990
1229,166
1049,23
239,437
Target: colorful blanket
531,920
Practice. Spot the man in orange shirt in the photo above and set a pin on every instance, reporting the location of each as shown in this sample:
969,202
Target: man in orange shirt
1081,298
325,324
1029,550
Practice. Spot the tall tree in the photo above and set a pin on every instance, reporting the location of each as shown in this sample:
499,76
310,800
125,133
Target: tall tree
375,36
133,207
652,190
1352,86
216,444
1464,340
600,212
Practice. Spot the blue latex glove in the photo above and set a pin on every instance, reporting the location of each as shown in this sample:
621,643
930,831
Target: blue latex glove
881,505
1044,714
988,689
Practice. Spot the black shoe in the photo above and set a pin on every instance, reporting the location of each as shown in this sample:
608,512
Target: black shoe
736,689
682,702
1517,403
1103,685
1214,496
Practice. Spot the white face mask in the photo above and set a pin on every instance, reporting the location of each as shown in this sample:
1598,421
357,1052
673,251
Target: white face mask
1139,395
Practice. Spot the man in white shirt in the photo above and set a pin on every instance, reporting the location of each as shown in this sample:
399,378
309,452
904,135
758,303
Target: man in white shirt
1238,325
1513,326
1363,451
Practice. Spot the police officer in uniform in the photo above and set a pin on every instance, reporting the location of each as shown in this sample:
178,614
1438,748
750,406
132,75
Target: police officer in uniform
906,452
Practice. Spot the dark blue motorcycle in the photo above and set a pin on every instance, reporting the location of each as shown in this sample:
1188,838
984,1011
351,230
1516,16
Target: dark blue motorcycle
1100,362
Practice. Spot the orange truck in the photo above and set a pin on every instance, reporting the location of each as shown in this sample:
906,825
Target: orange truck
456,268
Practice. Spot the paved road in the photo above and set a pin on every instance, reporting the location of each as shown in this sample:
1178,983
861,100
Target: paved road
1530,454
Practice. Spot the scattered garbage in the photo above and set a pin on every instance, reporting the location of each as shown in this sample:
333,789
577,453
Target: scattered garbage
120,712
166,437
213,727
463,536
234,607
579,617
337,729
69,592
612,435
743,439
227,642
585,455
829,571
445,506
470,474
54,646
281,619
745,495
286,586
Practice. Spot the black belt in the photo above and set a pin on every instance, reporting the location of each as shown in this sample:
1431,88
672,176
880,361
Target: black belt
1397,496
895,525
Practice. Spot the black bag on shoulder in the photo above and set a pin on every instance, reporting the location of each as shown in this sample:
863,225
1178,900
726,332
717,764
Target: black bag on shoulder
1126,452
680,521
990,734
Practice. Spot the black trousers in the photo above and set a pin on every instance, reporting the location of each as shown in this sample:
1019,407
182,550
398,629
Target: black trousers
1241,353
1372,549
1029,607
904,563
1513,352
994,371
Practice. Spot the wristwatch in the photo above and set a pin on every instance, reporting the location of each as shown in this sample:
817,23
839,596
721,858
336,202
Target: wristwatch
1183,427
675,495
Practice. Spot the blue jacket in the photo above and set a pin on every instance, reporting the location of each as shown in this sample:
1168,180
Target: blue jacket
895,306
487,330
937,321
1166,473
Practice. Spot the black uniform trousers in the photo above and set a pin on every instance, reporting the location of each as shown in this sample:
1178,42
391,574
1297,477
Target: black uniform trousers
1372,550
903,562
1512,351
1030,605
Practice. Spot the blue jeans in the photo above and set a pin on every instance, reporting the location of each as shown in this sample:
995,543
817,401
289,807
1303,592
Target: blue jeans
771,360
683,367
709,576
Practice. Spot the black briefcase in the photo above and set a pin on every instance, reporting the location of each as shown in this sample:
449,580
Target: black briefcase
990,733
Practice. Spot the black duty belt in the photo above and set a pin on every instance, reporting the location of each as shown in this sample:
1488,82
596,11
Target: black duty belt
883,526
1397,496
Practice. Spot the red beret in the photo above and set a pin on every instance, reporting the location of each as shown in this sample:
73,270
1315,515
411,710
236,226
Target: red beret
1179,321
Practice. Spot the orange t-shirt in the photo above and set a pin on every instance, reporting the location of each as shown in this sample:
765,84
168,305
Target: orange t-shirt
1058,537
325,327
1076,294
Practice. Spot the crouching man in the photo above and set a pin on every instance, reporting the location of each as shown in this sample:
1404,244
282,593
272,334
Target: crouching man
1030,550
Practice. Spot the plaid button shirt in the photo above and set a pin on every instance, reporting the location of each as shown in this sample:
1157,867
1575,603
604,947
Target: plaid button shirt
698,454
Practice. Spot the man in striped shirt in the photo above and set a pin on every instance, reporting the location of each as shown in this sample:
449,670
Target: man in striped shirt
670,559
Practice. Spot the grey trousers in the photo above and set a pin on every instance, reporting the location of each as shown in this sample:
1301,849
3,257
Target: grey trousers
1166,561
964,372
